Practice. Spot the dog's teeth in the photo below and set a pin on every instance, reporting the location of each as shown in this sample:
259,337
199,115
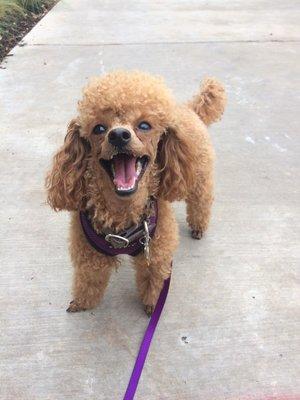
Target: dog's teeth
139,167
125,188
113,170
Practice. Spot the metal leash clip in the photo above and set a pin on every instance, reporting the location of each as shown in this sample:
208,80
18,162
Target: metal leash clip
145,240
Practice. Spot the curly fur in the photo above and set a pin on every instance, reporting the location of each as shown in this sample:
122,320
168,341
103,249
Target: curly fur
210,102
180,167
65,183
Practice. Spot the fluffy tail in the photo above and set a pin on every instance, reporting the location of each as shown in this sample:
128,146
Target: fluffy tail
209,103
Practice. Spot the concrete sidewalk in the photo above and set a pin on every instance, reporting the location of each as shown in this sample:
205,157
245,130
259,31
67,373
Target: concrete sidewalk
230,329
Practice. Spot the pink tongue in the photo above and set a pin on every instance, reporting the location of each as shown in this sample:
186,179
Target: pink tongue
125,174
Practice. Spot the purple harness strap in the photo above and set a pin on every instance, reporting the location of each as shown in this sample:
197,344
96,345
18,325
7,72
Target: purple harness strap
99,243
139,363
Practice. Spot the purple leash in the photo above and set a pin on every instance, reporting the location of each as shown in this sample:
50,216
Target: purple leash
140,361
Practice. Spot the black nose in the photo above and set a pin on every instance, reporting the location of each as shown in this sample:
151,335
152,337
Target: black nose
119,137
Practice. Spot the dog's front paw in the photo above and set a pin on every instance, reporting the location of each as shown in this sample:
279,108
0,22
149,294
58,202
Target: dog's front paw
197,234
75,307
149,310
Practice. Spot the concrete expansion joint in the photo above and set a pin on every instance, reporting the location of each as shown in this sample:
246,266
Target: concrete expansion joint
163,43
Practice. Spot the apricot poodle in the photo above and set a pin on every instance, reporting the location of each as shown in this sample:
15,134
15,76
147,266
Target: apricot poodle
132,142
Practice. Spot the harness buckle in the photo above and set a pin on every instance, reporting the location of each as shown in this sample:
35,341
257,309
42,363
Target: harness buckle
118,242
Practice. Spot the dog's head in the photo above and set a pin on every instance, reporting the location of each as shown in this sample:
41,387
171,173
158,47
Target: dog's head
123,117
131,136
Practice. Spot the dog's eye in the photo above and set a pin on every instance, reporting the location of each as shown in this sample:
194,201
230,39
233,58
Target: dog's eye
99,129
144,126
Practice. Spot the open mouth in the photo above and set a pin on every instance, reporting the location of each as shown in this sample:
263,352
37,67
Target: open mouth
125,171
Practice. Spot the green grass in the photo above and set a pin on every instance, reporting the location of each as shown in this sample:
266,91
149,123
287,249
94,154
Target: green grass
9,8
10,13
15,14
12,10
35,6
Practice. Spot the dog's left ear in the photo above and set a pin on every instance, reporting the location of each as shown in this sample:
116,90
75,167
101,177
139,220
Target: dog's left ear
176,159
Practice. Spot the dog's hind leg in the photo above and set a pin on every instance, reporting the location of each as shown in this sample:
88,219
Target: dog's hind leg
209,104
199,202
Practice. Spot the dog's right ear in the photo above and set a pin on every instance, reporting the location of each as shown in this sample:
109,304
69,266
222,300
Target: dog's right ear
65,181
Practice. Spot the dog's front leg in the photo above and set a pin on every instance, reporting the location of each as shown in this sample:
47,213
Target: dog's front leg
89,283
150,278
91,270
